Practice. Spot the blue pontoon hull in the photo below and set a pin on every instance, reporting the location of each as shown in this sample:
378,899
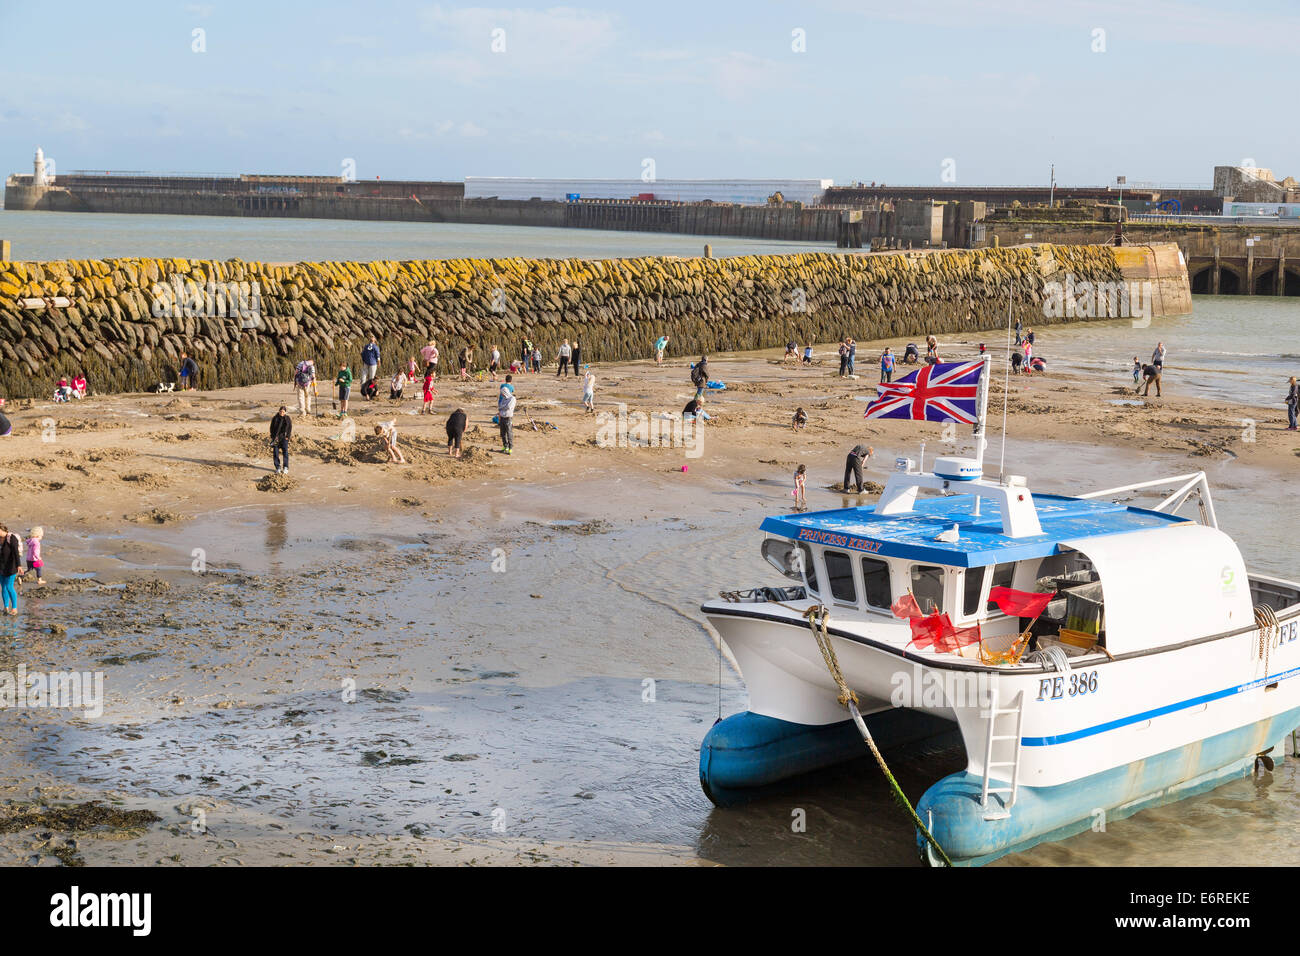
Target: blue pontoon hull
747,752
951,808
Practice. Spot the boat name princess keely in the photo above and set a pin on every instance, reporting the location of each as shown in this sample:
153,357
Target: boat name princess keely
1089,654
839,540
74,909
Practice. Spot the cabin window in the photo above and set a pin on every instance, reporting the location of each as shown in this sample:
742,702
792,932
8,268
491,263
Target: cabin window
803,564
927,587
839,576
875,583
782,554
1003,575
973,588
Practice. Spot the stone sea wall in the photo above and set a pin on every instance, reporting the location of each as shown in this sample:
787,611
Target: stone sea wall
124,322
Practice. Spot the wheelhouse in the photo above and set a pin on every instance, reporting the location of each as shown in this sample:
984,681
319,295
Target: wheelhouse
1101,560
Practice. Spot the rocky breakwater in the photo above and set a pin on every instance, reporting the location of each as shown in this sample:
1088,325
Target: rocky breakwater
124,322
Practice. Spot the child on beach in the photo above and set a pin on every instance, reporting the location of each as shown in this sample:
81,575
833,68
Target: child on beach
800,479
589,391
344,383
800,419
537,360
1137,370
34,560
494,363
466,360
388,432
807,354
932,350
63,391
396,385
429,392
79,385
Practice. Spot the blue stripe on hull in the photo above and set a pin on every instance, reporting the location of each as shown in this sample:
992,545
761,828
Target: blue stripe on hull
1043,814
748,751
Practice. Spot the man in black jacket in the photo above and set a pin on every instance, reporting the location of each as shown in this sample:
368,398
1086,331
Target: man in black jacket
700,376
281,429
853,466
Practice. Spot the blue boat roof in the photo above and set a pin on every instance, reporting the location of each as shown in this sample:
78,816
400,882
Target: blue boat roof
981,542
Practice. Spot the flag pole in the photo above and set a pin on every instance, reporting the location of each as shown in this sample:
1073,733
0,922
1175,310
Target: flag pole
982,398
982,403
1006,382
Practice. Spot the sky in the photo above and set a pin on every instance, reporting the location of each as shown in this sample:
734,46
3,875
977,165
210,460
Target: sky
903,92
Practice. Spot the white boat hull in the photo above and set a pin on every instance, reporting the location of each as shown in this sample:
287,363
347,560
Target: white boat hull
1102,718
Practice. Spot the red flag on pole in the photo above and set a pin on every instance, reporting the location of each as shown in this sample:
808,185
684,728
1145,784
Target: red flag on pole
906,607
928,629
1020,603
937,630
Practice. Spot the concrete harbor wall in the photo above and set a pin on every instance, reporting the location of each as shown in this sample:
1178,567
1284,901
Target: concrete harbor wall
790,222
1251,257
125,321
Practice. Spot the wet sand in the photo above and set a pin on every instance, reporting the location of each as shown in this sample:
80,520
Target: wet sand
449,661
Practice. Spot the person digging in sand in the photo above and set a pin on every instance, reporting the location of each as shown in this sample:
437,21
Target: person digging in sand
387,431
455,431
853,467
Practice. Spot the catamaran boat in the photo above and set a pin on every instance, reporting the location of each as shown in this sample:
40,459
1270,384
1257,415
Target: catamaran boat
1093,657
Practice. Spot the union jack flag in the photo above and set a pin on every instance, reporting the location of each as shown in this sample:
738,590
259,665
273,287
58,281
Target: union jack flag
945,392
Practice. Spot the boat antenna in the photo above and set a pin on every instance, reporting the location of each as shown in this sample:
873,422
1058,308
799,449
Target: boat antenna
1006,384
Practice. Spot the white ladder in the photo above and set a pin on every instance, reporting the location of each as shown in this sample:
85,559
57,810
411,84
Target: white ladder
1000,732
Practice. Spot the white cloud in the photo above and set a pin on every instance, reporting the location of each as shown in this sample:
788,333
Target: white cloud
738,76
556,38
364,42
664,56
1162,22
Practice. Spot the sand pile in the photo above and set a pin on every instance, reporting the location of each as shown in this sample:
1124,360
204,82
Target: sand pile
276,482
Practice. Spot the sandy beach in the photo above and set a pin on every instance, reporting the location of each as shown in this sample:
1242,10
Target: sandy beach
217,598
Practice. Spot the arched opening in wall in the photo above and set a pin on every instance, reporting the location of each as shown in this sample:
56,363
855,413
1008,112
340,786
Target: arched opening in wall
1200,281
1266,282
1291,282
1229,282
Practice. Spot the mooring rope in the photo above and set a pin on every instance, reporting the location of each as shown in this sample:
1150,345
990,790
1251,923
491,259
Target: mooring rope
1269,632
817,616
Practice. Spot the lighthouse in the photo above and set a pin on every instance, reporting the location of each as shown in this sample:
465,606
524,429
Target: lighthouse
38,169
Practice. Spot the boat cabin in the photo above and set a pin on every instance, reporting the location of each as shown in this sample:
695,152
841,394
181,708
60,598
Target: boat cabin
1108,563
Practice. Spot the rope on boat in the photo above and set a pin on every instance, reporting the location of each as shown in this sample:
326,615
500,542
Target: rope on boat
1053,658
1270,632
817,616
